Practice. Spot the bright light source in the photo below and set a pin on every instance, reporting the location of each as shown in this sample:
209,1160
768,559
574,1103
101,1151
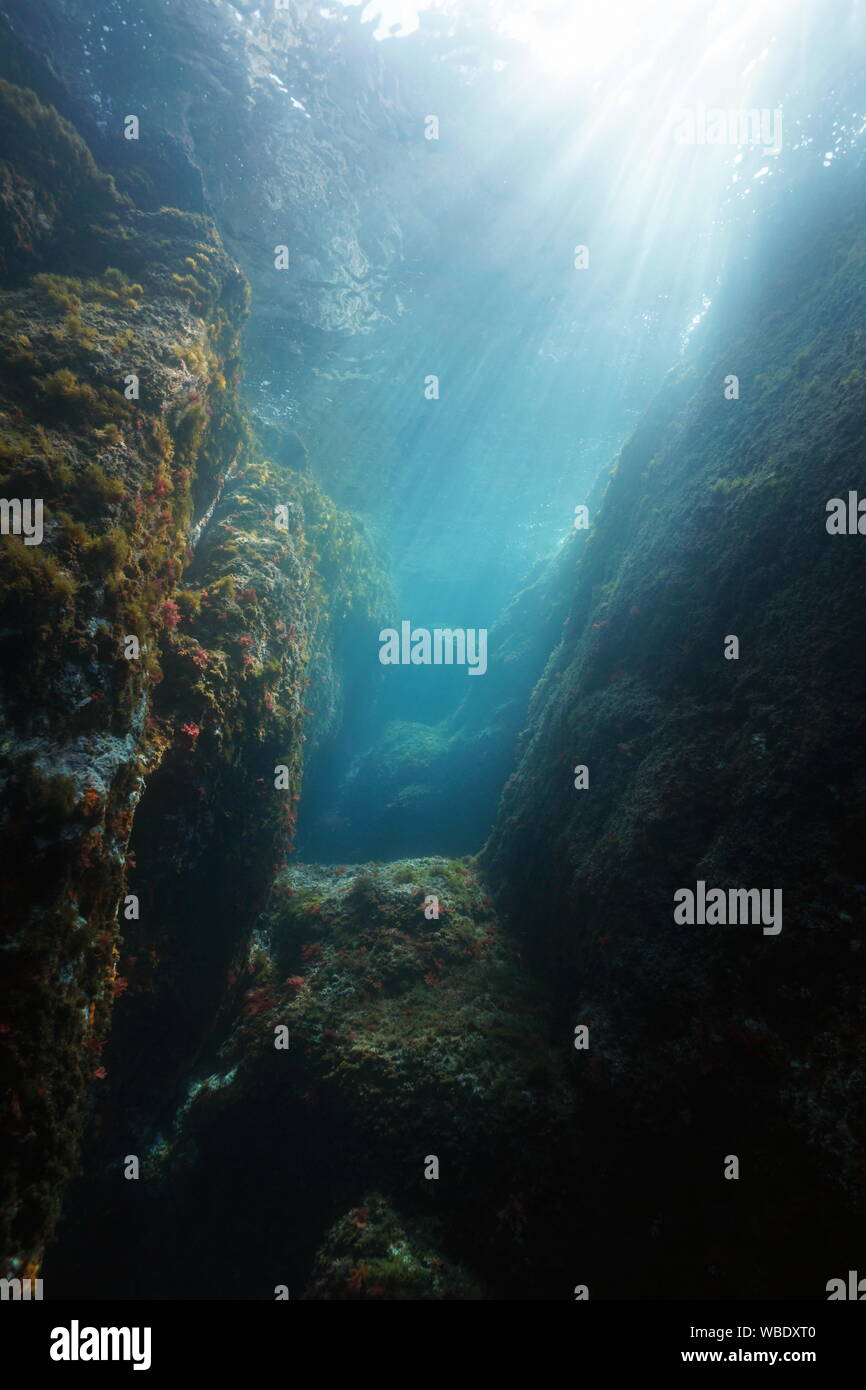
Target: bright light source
587,35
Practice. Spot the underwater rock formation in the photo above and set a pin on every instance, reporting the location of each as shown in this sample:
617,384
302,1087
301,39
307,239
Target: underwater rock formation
228,132
370,1254
251,682
431,1078
707,1040
292,128
153,295
365,1036
165,630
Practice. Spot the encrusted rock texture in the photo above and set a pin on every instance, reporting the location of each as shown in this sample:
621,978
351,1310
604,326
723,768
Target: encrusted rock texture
380,1019
162,524
709,1040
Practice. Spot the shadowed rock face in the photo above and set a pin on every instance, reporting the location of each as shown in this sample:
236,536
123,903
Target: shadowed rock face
371,1253
413,1032
713,1040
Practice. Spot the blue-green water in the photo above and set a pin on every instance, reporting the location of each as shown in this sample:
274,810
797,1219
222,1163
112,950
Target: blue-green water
437,410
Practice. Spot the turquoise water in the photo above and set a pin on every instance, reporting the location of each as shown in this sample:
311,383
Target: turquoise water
498,366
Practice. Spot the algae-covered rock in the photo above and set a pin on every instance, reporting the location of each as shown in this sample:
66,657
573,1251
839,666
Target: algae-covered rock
370,1253
251,681
116,474
403,996
172,621
382,1035
419,1024
738,772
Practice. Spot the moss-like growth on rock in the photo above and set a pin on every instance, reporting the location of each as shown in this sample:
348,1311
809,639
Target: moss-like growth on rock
732,772
86,299
371,1254
413,1030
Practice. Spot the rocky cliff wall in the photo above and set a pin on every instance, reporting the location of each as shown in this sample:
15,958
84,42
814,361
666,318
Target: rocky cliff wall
709,1040
161,630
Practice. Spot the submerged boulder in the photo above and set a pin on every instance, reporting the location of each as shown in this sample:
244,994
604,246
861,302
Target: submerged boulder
382,1035
371,1254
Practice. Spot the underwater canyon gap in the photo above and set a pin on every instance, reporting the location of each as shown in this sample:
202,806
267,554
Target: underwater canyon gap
455,915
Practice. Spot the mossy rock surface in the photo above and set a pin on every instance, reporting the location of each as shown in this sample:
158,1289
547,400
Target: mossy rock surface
120,411
371,1254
